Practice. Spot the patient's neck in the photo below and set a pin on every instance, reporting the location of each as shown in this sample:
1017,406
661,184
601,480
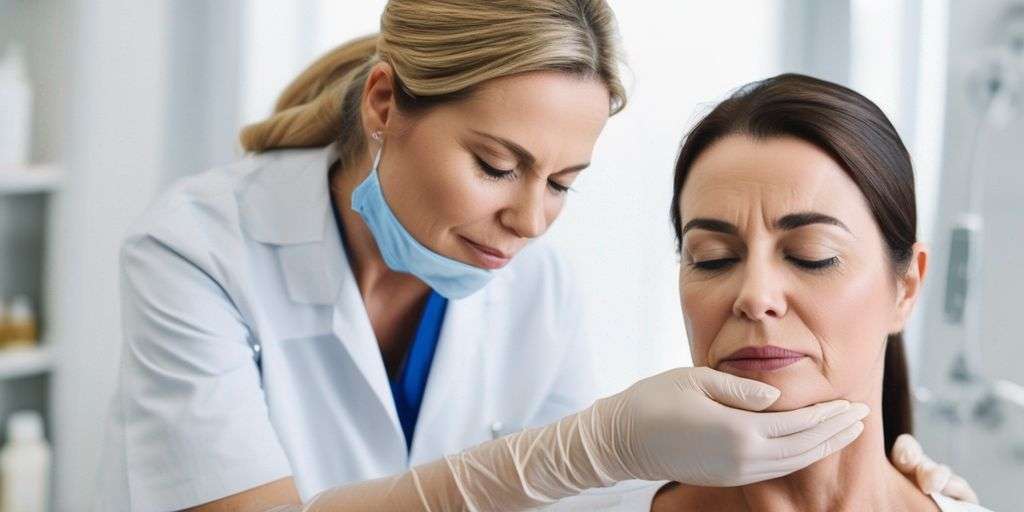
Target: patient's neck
858,477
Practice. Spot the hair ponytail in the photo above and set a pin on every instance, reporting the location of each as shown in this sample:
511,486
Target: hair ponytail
316,106
439,51
897,403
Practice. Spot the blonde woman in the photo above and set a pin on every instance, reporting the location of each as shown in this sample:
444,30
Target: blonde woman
282,314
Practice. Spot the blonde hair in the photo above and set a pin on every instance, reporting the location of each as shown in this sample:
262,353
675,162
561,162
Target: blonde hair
439,51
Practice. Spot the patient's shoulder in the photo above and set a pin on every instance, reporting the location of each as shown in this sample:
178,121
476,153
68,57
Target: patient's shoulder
947,504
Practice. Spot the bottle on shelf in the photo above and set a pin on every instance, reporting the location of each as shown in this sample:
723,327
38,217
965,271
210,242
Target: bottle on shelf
25,465
3,323
16,105
20,330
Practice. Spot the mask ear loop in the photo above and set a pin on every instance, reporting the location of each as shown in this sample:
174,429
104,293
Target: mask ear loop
378,136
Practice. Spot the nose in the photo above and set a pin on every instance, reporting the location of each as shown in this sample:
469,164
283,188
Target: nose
761,294
525,216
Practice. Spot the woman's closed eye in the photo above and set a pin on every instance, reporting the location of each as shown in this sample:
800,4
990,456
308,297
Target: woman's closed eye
492,171
720,263
510,174
715,263
813,264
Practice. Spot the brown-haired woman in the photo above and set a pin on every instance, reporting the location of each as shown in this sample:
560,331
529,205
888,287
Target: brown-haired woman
795,217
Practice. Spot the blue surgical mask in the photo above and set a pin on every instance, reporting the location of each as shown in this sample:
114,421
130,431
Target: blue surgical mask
402,253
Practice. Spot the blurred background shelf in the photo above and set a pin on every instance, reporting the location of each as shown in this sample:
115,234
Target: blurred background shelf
22,362
29,179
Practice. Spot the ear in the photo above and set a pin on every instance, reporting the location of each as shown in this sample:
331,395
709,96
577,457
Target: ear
378,97
908,286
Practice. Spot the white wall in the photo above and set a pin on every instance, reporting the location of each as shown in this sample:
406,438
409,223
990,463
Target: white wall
114,148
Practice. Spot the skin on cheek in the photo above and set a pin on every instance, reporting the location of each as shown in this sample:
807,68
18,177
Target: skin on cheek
850,319
704,313
411,192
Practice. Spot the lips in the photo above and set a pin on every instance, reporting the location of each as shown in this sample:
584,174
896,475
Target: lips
489,250
765,358
486,256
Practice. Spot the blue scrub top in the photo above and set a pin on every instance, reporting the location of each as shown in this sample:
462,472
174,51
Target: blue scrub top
407,389
412,380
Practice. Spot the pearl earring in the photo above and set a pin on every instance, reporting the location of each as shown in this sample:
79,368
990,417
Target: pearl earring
376,135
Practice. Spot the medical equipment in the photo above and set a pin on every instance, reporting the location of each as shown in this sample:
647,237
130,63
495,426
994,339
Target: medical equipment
995,89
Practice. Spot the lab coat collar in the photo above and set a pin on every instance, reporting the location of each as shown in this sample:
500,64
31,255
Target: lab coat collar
287,204
286,200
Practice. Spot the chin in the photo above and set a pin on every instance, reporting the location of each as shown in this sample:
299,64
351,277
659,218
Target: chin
801,384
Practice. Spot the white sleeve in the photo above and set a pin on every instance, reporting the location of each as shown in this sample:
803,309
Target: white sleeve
195,422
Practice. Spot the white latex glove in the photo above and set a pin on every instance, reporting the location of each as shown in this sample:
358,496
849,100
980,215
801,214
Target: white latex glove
908,456
686,425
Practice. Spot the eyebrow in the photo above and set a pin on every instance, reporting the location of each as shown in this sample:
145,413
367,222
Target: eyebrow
524,156
787,222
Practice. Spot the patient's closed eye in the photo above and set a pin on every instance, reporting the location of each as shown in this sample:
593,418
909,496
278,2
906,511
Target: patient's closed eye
814,264
723,263
715,264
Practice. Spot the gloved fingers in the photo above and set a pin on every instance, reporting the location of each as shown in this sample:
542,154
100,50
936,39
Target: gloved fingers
906,454
767,469
822,450
733,391
819,435
958,488
782,424
910,459
932,477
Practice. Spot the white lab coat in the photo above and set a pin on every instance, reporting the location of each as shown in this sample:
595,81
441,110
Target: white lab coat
250,254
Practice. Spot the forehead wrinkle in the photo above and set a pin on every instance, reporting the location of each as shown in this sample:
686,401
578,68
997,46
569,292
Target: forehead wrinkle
695,206
742,169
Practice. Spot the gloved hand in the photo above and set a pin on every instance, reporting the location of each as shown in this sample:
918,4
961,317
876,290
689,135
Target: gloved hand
911,460
686,425
692,425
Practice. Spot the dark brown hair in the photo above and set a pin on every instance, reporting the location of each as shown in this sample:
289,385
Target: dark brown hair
859,137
